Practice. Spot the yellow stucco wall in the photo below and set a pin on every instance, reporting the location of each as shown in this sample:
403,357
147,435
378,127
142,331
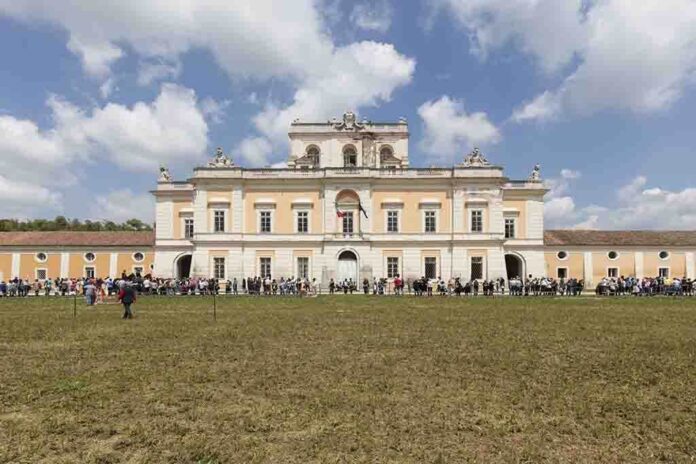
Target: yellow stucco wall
6,266
28,265
652,262
521,224
574,263
601,262
283,214
177,221
411,212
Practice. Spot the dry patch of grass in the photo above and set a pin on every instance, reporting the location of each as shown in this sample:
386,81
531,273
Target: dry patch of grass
349,379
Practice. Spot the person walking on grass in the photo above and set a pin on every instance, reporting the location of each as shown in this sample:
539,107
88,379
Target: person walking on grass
127,297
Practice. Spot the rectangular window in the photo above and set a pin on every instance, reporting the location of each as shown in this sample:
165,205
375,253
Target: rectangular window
348,223
265,267
392,267
477,220
90,272
303,267
562,273
509,228
663,272
188,228
219,268
613,272
265,222
476,268
219,221
430,267
430,222
41,274
393,222
302,222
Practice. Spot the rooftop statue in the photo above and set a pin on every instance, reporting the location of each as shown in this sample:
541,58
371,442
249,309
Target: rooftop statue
164,175
475,159
535,176
220,160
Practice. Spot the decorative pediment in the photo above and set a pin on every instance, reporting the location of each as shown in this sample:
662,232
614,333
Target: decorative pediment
475,159
220,160
349,123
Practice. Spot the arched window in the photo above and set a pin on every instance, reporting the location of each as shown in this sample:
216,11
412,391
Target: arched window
312,154
385,153
350,156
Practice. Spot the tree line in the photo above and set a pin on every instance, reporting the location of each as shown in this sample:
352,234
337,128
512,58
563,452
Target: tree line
63,223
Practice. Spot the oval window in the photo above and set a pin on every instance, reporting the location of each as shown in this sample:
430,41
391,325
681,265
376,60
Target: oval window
562,254
41,257
89,257
138,256
612,255
664,254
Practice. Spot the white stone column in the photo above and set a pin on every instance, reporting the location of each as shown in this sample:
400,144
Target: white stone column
458,223
535,219
113,264
200,211
64,264
15,265
237,215
495,264
639,265
588,270
690,265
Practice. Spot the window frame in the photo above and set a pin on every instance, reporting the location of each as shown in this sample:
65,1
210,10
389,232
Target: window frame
425,267
471,268
261,213
39,260
302,212
351,215
387,213
135,260
298,267
352,151
667,268
558,269
185,227
471,220
216,229
514,227
613,268
36,273
217,262
261,265
666,258
388,266
94,272
618,255
86,259
565,258
435,217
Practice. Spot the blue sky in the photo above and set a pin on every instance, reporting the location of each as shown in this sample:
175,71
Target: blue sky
95,95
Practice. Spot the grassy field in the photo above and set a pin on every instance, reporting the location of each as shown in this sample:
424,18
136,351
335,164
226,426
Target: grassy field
349,379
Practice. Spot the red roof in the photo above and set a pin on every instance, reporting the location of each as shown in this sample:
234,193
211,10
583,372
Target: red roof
72,238
666,238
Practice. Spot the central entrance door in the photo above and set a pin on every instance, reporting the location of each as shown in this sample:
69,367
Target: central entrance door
347,268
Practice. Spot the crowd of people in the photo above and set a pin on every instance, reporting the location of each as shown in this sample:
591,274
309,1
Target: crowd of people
96,290
647,286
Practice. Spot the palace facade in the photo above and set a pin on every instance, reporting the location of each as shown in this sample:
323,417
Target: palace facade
349,206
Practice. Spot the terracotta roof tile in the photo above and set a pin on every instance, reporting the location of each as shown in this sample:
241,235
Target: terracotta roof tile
72,238
666,238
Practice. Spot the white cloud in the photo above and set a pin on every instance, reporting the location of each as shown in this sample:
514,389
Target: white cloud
449,129
635,207
214,110
37,163
548,30
19,199
628,55
157,70
254,150
286,37
121,205
358,75
375,15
